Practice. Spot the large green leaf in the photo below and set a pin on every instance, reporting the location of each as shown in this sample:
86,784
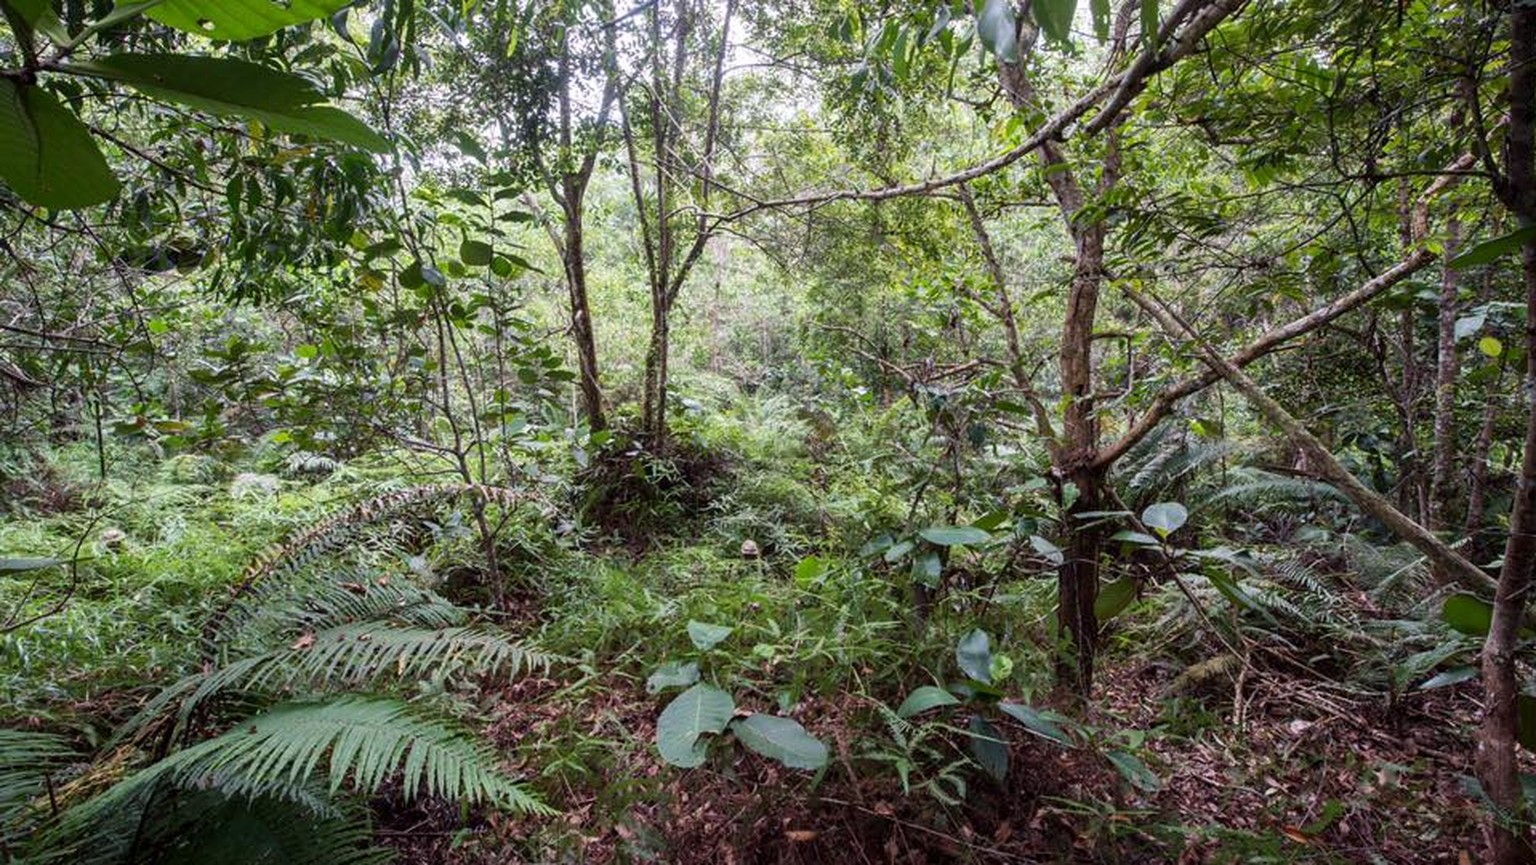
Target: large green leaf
924,699
229,87
47,156
989,748
1055,18
239,19
974,655
1165,518
1492,250
1035,722
998,29
781,739
1467,614
1114,598
34,16
706,636
953,536
698,711
673,674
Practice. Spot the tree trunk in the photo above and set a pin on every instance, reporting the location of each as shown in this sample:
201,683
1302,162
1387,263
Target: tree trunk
1498,767
574,260
1446,371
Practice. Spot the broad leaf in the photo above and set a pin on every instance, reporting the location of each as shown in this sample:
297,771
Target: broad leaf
696,712
924,699
225,86
1138,538
1133,770
673,674
988,747
998,29
781,739
240,19
927,568
476,253
1100,19
706,636
1492,250
1165,518
47,156
1114,598
1467,614
1055,18
1035,722
974,655
1047,549
954,536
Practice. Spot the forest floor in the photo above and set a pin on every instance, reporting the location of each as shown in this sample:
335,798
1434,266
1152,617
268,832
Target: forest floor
1310,775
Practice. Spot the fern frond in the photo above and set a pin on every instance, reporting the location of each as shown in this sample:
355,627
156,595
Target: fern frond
348,656
362,741
1252,487
26,761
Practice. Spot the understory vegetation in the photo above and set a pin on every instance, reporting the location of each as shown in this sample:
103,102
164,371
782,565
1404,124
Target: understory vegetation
472,431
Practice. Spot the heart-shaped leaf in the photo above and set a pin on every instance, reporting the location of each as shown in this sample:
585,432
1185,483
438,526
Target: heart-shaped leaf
673,674
706,636
1165,518
696,712
974,655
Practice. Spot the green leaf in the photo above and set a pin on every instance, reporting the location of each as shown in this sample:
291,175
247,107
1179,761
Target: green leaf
47,156
16,566
1467,614
1055,18
1150,21
924,699
673,674
1453,676
998,29
236,20
1100,19
706,636
954,536
476,253
225,86
988,747
1491,250
927,568
1114,598
1133,770
809,570
696,712
781,739
1490,346
974,655
1035,722
35,16
1139,538
468,146
1165,518
1047,549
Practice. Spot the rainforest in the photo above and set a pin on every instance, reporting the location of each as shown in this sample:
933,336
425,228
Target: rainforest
795,431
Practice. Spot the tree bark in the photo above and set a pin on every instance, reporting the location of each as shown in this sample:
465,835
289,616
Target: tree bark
1498,767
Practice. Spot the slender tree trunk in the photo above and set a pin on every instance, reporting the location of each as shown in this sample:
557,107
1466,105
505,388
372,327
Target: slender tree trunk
1497,765
1446,370
574,261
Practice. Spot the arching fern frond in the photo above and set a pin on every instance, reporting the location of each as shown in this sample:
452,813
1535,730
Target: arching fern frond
26,761
361,741
1253,487
349,656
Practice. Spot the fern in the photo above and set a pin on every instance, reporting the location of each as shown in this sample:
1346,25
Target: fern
26,761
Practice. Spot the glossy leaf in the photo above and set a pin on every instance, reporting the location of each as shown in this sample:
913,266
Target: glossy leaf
225,86
1035,722
974,655
925,699
47,156
1055,18
988,748
1133,770
695,713
952,536
1453,676
476,253
1165,518
781,739
237,20
998,29
1491,250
